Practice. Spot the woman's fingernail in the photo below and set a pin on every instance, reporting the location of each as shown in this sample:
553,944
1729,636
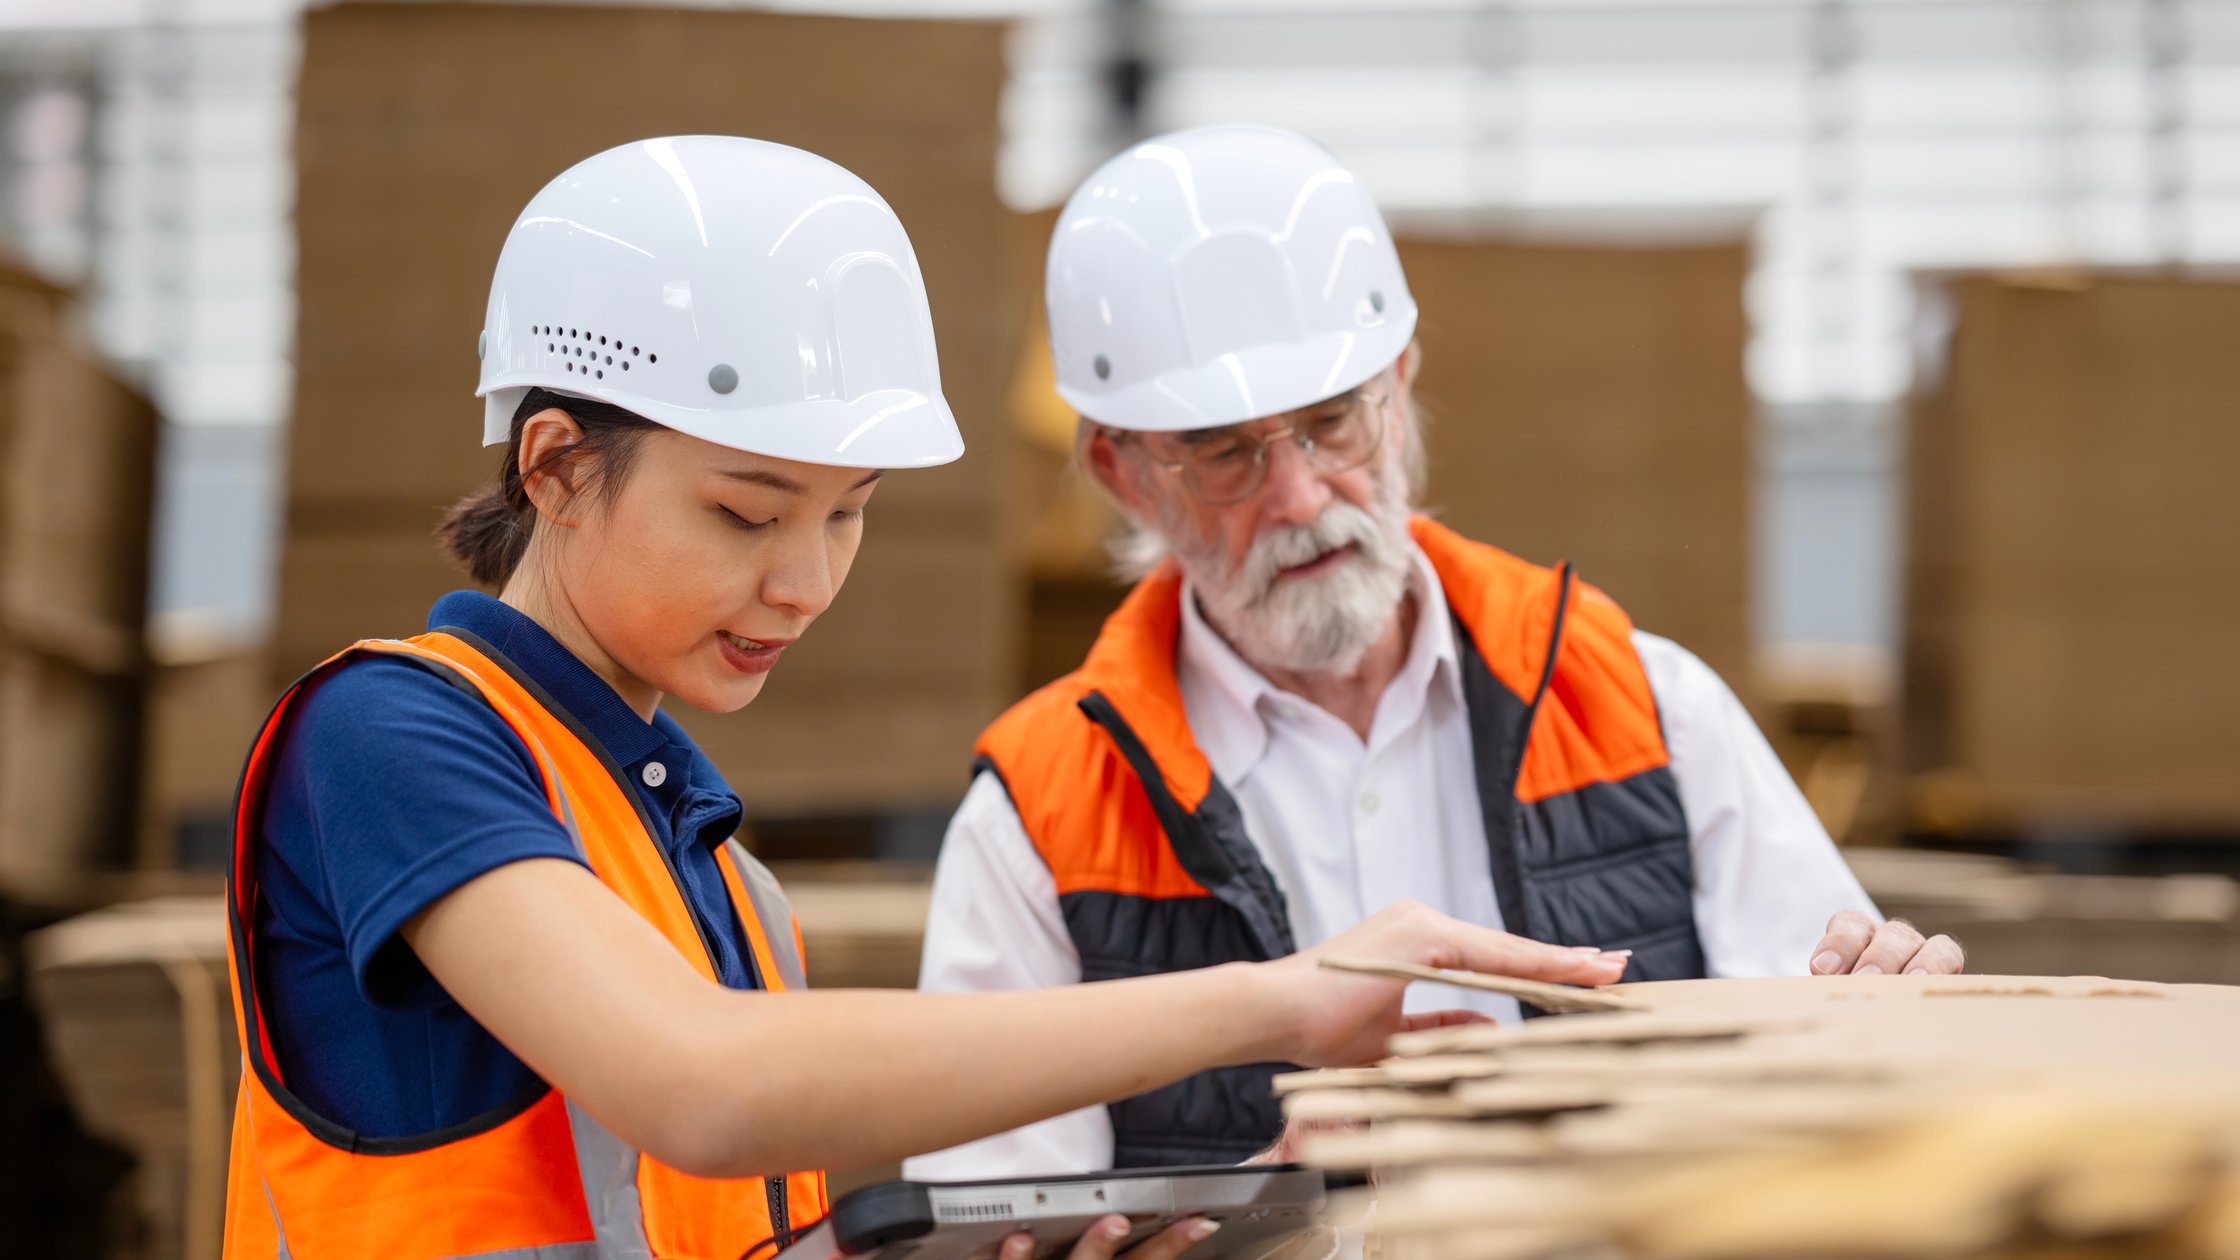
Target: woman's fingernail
1114,1230
1203,1230
1917,971
1826,961
1586,949
1866,969
1616,953
1014,1247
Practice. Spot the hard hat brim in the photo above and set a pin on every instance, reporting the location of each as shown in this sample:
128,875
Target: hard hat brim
1248,384
888,428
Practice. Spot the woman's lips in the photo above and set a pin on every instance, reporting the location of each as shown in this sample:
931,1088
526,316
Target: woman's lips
749,656
1318,564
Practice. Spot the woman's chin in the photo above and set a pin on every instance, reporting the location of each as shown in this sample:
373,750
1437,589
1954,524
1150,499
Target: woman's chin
727,695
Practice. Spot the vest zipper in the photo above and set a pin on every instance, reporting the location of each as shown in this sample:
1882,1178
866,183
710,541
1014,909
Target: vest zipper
779,1226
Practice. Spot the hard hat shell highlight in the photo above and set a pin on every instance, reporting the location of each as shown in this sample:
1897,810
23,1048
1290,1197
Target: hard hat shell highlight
747,293
1220,274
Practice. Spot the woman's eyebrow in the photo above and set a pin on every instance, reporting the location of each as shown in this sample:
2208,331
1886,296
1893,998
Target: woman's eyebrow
763,477
779,481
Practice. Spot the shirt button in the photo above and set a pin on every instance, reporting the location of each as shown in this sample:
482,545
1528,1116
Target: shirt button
655,774
1369,802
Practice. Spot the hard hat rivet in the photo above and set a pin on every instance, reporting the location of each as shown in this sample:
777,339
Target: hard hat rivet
482,343
1103,367
1376,300
723,378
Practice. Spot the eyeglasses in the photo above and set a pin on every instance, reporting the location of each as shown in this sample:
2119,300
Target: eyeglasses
1227,466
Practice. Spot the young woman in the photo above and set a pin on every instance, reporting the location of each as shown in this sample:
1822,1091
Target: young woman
506,987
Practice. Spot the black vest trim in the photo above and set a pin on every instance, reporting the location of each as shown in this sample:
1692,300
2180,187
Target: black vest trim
1210,843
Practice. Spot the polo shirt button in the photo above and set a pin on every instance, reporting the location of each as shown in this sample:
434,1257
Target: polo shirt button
655,774
1369,802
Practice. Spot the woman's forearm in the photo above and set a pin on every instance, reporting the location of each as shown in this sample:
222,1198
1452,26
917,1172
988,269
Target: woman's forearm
720,1082
925,1071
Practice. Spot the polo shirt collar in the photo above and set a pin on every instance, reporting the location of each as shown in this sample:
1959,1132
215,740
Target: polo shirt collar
1230,703
595,705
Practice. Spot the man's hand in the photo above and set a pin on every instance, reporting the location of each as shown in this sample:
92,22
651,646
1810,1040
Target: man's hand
1855,946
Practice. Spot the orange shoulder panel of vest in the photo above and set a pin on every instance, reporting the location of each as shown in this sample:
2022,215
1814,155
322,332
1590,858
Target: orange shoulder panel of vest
1598,721
1075,791
1081,802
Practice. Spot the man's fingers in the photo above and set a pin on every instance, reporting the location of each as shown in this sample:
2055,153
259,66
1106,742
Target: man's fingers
1174,1240
1894,945
1098,1242
1849,933
1938,956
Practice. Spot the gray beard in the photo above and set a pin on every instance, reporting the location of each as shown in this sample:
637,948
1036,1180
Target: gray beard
1321,624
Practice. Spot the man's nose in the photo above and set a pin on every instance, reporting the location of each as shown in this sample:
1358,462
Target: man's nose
1295,492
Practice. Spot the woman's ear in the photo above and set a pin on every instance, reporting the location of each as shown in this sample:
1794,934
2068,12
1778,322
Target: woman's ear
548,469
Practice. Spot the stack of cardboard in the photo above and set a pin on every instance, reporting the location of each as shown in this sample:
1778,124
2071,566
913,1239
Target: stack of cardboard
408,184
1585,402
77,472
2071,584
1848,1116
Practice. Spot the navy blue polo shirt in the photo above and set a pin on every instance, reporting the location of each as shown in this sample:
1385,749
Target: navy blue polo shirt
391,788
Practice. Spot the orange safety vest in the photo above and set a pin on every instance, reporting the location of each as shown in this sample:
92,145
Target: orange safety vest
1587,840
538,1177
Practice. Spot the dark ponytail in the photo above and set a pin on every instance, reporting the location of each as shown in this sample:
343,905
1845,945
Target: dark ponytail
488,531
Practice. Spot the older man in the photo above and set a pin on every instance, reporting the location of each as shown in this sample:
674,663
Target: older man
1315,703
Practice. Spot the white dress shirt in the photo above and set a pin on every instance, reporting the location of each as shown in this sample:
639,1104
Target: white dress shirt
1767,878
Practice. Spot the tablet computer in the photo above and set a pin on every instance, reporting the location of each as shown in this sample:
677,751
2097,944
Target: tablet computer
1259,1207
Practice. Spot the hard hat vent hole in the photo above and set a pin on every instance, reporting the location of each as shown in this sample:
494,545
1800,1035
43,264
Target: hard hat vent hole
1103,367
602,341
1376,300
653,358
600,376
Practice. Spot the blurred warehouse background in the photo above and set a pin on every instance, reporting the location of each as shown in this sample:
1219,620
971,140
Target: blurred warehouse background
1881,351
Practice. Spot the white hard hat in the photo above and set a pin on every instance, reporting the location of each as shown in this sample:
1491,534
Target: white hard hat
1217,275
743,292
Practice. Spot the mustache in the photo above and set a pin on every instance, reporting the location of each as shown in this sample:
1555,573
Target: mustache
1340,525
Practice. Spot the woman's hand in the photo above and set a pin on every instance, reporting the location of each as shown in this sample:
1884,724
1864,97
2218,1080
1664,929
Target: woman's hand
1333,1019
1103,1238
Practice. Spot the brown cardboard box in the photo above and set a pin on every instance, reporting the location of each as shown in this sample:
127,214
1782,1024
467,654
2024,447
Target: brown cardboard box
77,488
2070,591
69,769
1587,402
408,181
140,1028
77,468
203,712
